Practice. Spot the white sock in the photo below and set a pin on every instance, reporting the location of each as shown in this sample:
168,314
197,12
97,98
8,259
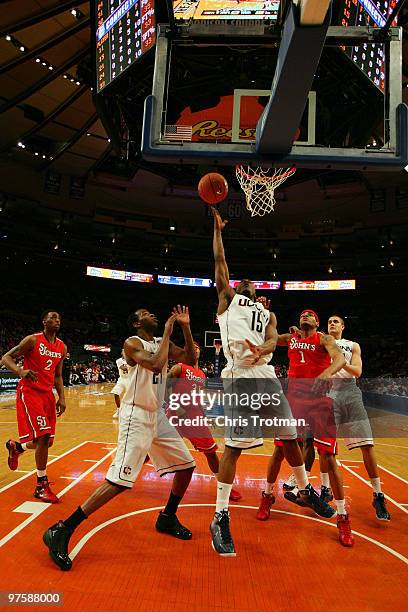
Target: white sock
223,493
376,485
41,473
324,479
269,487
301,477
341,506
24,446
295,491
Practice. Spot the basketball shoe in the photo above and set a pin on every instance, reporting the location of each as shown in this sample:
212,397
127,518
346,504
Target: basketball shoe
44,493
346,538
235,495
326,494
56,538
222,541
290,483
264,510
13,456
380,505
169,523
312,499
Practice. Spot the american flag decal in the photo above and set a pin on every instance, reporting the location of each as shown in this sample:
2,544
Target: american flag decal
178,132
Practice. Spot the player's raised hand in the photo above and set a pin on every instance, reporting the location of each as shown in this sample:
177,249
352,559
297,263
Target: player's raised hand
29,375
60,407
182,315
168,327
255,350
293,329
219,223
264,301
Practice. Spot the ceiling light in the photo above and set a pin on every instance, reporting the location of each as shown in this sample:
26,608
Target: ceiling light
78,83
44,156
330,270
8,37
38,60
65,76
22,48
36,153
19,144
56,247
88,134
50,67
391,263
74,12
172,228
44,63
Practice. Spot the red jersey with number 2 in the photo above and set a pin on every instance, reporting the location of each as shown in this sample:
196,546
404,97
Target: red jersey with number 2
307,357
43,359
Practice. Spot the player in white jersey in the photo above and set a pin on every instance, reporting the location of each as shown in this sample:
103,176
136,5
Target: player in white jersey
351,416
249,336
120,386
143,429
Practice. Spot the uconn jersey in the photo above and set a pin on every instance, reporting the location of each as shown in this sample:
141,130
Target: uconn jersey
243,319
346,347
144,388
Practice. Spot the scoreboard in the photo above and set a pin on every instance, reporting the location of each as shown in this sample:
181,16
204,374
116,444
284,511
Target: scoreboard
125,30
368,57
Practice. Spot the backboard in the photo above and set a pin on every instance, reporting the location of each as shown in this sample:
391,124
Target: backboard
327,96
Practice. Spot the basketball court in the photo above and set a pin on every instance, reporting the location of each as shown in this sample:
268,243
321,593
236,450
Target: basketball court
294,555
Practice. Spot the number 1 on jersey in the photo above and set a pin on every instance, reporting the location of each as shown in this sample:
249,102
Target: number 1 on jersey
302,357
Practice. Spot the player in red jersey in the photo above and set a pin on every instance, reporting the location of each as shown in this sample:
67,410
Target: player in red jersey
313,359
44,354
200,437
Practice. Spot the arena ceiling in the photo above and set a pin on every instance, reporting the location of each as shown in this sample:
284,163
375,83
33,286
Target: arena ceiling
49,121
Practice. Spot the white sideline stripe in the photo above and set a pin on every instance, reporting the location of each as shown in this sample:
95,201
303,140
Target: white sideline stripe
31,518
69,477
11,484
90,460
392,474
351,461
23,471
95,530
368,483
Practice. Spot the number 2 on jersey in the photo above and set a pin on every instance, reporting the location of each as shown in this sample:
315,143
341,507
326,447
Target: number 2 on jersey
49,364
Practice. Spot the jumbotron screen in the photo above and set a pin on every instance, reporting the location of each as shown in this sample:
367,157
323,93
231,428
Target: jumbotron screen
125,30
368,57
243,10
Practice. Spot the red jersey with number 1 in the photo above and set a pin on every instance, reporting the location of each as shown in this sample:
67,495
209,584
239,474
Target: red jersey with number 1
307,357
43,359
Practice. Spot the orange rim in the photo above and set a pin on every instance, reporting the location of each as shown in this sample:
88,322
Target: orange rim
265,179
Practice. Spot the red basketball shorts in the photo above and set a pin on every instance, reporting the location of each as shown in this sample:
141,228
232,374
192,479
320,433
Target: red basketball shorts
319,416
36,416
191,426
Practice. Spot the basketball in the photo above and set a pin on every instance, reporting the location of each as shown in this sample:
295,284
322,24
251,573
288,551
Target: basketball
213,188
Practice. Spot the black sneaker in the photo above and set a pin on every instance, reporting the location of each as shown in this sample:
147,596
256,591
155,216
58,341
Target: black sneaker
171,525
57,538
312,499
295,498
326,494
380,506
222,541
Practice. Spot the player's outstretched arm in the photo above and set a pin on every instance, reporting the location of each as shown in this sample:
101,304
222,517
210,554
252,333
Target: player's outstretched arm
188,353
271,338
25,346
355,367
338,361
135,353
225,292
59,385
283,339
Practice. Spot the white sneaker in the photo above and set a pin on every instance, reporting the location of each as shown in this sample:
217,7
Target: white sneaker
115,415
290,483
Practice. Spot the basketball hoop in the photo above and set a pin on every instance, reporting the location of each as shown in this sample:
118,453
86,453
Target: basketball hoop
259,187
217,346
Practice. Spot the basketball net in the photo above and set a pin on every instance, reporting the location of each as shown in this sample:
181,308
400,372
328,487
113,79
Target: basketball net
217,346
259,187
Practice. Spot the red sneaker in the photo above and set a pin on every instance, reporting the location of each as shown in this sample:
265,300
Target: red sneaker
344,526
235,495
44,493
12,459
264,510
